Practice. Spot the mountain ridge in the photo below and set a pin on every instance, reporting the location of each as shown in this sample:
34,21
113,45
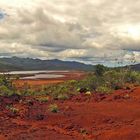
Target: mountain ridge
136,67
16,63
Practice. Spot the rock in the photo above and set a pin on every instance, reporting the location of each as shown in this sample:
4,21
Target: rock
40,117
88,93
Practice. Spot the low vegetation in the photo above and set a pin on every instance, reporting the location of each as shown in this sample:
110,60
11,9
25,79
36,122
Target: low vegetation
6,87
53,108
13,109
101,80
43,99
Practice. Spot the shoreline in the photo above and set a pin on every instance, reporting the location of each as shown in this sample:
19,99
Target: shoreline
71,75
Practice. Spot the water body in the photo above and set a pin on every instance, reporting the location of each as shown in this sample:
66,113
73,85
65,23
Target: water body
37,74
43,76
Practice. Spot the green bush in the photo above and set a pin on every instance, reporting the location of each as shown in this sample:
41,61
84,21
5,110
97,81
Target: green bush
6,81
5,91
133,77
100,69
62,90
6,87
28,92
12,109
43,99
63,97
115,80
104,89
53,108
102,80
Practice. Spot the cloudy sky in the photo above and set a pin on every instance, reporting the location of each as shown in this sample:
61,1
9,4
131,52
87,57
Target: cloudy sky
90,31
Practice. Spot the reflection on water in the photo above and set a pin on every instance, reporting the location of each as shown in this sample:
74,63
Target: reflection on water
37,74
43,76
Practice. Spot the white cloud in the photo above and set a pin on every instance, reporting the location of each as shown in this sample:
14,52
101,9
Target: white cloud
80,30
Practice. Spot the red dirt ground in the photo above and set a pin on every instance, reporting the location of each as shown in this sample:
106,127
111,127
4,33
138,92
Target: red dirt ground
82,117
40,82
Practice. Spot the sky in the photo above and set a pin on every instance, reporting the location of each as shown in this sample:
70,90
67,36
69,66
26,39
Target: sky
90,31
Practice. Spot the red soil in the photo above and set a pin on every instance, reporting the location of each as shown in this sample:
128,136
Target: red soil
82,117
40,82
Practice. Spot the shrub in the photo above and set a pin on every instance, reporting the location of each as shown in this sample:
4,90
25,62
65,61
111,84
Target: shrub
133,77
5,91
6,81
43,99
114,79
62,90
71,82
53,108
103,89
6,87
12,109
83,131
63,97
30,92
99,70
103,80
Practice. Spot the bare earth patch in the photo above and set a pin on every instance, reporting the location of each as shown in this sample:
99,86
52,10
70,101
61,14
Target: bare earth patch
82,117
76,75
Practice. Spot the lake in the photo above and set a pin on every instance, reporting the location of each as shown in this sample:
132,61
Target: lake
44,74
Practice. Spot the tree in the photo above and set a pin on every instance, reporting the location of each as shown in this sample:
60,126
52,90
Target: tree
100,69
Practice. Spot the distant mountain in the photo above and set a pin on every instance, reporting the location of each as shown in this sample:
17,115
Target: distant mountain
136,67
15,63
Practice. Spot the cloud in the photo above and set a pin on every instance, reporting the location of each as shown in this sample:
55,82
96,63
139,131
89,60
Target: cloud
91,31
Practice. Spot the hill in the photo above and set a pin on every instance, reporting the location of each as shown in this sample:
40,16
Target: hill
15,63
136,67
